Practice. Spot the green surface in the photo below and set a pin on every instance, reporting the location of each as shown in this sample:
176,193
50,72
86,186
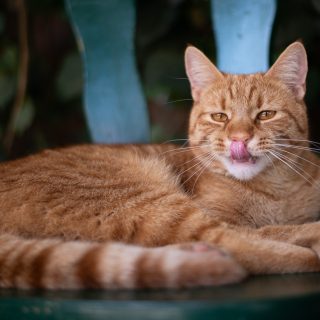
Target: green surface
269,297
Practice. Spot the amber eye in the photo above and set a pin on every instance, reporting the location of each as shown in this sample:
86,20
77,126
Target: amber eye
266,115
219,117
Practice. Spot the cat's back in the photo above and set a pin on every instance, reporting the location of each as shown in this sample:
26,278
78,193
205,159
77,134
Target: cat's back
84,166
81,161
82,182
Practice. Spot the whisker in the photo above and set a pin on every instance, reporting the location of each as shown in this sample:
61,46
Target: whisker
201,163
287,164
184,149
179,100
178,78
316,150
299,140
185,139
205,166
181,148
185,143
271,160
294,163
302,158
279,157
174,140
193,159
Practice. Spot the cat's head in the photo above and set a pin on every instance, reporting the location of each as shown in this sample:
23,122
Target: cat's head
239,119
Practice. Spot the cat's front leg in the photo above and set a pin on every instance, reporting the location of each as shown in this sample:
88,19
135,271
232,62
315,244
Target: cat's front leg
305,235
264,256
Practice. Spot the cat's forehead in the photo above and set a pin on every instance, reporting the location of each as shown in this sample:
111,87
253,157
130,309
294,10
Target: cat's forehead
238,85
246,91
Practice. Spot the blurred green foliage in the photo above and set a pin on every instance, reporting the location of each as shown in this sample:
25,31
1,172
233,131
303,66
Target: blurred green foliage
52,113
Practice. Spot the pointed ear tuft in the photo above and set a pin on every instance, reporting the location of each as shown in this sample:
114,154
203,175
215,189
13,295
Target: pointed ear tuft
200,71
291,68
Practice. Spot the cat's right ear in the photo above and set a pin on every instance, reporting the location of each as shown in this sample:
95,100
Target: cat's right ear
200,71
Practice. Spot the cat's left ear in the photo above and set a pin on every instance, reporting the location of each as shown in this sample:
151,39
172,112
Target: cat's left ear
291,68
200,71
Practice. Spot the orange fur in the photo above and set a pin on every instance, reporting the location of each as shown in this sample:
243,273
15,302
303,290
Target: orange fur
62,210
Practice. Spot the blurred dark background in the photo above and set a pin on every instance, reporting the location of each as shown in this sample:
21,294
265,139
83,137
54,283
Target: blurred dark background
52,113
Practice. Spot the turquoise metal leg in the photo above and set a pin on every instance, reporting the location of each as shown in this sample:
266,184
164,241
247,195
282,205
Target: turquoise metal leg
242,30
114,104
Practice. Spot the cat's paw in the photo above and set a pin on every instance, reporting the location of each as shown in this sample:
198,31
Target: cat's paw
308,235
312,235
305,235
200,264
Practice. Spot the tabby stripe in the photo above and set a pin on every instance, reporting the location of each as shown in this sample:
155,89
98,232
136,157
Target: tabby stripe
301,130
37,269
230,91
175,227
4,259
148,271
251,91
259,102
283,135
116,232
223,102
18,265
87,270
141,266
134,230
139,234
179,227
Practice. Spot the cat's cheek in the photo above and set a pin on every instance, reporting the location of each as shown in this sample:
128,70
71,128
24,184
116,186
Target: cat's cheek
244,171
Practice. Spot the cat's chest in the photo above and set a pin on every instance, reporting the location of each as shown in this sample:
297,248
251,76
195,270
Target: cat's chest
257,207
291,208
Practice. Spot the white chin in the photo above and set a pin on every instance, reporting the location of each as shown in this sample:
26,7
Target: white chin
244,170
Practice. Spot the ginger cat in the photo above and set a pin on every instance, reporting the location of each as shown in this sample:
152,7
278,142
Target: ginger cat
241,199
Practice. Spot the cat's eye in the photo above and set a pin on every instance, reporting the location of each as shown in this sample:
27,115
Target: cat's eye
219,117
266,115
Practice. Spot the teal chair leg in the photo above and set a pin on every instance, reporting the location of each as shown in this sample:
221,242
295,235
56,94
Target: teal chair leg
242,30
114,105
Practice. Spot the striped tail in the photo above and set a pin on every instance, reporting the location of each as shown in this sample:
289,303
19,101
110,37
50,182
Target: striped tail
58,264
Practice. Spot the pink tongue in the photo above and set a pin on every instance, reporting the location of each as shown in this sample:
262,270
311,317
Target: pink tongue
239,151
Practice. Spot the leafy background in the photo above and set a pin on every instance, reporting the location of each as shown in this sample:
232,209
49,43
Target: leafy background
52,113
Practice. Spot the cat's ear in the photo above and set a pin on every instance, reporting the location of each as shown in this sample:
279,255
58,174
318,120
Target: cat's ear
291,68
200,71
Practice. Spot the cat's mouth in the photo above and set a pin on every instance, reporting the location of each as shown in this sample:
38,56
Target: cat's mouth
242,163
244,160
240,154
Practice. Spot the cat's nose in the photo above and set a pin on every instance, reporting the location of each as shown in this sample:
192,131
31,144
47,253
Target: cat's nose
240,136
